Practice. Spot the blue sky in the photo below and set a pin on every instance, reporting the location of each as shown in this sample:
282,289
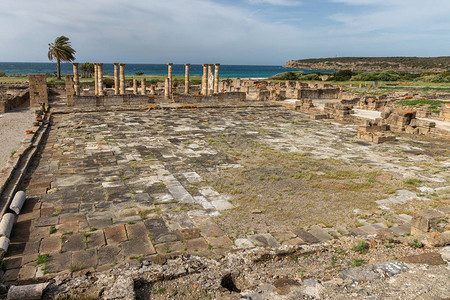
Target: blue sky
229,32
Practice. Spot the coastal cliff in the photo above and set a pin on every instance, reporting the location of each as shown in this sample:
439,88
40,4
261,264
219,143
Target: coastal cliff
401,64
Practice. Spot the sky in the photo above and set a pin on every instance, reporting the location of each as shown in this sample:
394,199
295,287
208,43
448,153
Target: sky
253,32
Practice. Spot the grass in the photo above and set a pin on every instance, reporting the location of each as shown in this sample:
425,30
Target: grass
75,267
431,104
358,262
52,229
42,259
362,247
416,244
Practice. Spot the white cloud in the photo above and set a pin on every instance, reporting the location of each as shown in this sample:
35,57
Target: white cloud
276,2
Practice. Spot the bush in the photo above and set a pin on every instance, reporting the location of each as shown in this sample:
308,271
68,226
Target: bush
139,73
362,247
3,74
343,75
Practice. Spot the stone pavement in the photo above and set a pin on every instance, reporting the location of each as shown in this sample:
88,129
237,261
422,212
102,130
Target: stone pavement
114,186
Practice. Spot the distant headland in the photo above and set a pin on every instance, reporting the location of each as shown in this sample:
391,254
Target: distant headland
400,64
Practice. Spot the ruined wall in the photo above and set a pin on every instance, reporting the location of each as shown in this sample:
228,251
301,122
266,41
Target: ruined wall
221,97
11,102
38,89
113,100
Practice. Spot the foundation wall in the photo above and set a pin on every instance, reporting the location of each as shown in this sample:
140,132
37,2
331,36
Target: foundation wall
224,97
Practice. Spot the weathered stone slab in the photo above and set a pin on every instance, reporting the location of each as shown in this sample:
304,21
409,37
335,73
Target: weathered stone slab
390,268
108,255
138,247
58,262
426,258
84,258
359,274
73,242
50,245
265,240
115,234
307,237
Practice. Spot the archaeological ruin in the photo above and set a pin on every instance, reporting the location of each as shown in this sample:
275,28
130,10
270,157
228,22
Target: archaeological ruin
226,189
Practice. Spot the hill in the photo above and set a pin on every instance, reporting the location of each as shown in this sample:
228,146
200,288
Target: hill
401,64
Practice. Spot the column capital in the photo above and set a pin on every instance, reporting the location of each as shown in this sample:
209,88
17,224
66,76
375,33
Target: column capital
217,64
121,64
204,65
187,65
75,63
116,64
169,64
100,64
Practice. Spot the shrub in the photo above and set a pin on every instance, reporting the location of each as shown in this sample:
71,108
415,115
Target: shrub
343,75
139,73
2,74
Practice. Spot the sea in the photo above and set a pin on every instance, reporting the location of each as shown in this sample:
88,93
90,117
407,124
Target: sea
231,71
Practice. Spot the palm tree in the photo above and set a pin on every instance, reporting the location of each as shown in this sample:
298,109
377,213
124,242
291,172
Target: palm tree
61,50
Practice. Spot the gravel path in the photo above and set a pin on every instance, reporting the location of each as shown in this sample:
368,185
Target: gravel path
12,131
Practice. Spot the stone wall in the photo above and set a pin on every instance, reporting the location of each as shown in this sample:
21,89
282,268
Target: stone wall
221,97
113,100
8,103
38,89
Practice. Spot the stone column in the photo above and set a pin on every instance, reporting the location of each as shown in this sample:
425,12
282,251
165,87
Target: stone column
186,79
135,87
122,79
143,87
116,79
209,92
166,88
216,78
96,78
205,80
76,79
100,80
169,75
152,90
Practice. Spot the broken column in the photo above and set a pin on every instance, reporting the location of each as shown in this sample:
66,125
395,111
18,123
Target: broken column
186,79
143,87
152,90
6,224
96,78
166,88
38,89
216,78
116,79
135,88
76,79
169,75
122,79
18,201
205,80
100,79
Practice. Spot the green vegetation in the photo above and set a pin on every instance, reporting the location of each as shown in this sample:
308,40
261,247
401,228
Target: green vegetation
374,63
61,50
362,247
42,259
416,244
52,229
432,105
358,262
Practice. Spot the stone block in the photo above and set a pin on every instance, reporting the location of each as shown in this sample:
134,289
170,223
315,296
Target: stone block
109,254
136,231
50,245
95,239
138,247
424,221
426,258
73,242
84,258
115,234
59,262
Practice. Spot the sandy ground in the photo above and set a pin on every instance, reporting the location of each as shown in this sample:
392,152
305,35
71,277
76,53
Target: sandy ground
12,131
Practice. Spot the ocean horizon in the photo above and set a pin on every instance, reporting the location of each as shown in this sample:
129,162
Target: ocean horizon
232,71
